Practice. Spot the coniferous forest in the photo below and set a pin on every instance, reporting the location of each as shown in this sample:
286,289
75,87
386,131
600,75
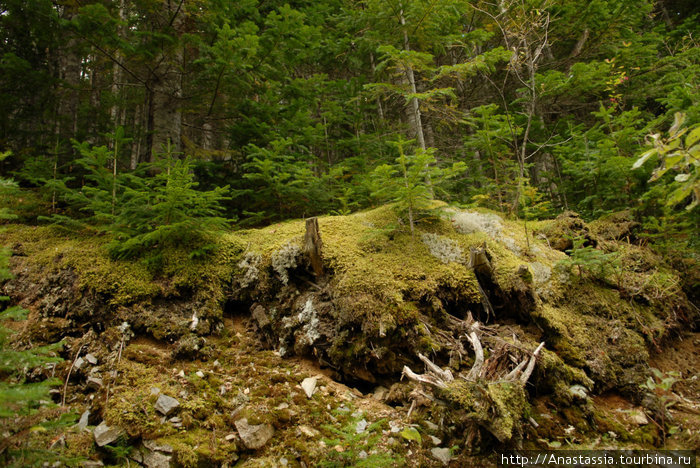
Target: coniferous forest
347,233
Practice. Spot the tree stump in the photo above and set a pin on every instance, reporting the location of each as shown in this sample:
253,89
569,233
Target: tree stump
313,246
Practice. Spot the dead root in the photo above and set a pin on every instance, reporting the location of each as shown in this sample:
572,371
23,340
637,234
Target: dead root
492,393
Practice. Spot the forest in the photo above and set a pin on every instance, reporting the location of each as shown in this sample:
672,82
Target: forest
241,199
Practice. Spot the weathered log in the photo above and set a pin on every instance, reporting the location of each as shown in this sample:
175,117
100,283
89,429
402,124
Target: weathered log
313,246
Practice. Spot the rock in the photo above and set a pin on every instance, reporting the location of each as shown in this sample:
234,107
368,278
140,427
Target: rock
254,436
156,460
638,417
309,386
578,391
308,431
441,454
361,426
155,391
92,464
258,313
106,435
199,374
380,393
394,426
94,383
362,455
230,437
434,440
80,362
431,425
91,359
154,446
166,404
83,421
175,421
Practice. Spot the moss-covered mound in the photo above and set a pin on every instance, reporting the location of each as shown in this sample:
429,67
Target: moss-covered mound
385,296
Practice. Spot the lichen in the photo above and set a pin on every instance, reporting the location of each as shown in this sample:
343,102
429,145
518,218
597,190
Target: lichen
284,260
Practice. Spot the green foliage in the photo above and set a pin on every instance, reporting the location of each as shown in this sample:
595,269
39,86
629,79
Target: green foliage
680,153
411,182
661,385
587,260
166,210
352,442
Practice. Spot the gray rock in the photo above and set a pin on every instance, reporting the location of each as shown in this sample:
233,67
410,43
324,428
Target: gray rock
361,426
199,374
166,404
309,386
431,425
155,391
260,316
80,362
83,421
154,446
156,460
91,359
92,464
578,391
254,436
441,454
362,455
380,393
434,440
94,383
638,417
106,435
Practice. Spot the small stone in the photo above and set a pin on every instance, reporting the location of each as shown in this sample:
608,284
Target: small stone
362,455
94,383
441,454
92,464
106,435
156,460
434,440
380,393
199,374
230,437
217,363
166,404
638,417
284,461
254,436
282,406
91,359
309,386
156,447
431,425
80,362
578,391
361,426
394,426
308,431
181,374
155,391
83,421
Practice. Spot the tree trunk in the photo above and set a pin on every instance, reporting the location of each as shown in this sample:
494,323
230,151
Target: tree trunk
414,107
313,246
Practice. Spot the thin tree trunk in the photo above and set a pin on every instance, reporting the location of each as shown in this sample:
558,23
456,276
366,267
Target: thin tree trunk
413,103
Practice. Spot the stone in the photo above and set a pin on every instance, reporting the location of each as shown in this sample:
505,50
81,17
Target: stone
154,446
361,426
441,454
94,383
80,362
260,316
199,374
155,391
638,417
230,437
92,464
309,386
90,358
105,434
308,431
578,391
362,455
83,421
434,440
156,460
166,404
431,425
380,393
254,436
